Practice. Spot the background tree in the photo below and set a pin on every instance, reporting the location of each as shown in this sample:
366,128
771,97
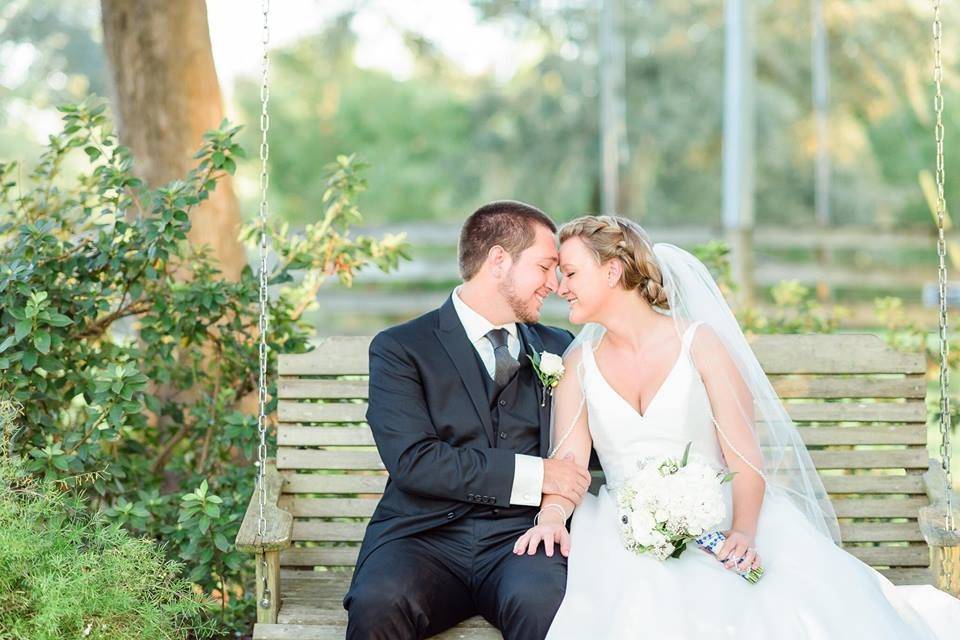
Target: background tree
166,95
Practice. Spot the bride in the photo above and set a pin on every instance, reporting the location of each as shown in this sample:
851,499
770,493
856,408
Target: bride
662,363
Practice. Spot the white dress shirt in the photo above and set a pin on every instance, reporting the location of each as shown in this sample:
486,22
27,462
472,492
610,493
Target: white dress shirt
528,470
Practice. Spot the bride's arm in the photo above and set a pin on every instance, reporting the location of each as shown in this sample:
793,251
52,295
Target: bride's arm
571,440
732,406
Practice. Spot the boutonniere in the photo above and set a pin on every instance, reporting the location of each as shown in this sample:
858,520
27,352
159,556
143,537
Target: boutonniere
549,368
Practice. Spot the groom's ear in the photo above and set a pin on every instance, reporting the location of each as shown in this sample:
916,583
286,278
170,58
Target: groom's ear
498,260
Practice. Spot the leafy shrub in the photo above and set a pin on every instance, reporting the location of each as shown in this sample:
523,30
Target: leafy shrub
132,358
67,573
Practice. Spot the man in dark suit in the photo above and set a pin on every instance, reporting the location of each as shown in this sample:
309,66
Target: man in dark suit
458,416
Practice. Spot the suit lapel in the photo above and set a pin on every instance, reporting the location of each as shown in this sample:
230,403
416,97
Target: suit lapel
531,342
453,338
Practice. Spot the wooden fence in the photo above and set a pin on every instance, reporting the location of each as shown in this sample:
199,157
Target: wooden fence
863,263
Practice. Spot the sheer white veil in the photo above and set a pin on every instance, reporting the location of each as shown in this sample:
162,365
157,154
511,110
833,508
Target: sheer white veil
694,296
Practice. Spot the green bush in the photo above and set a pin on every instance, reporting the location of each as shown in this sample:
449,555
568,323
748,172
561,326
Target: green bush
133,359
67,573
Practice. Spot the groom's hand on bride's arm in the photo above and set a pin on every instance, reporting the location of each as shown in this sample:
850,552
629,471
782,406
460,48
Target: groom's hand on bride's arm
565,478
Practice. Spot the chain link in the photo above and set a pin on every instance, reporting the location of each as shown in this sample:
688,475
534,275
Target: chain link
265,600
946,568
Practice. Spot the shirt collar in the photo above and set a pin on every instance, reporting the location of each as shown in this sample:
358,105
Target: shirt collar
475,324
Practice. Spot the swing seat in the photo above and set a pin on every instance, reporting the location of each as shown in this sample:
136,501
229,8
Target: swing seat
860,406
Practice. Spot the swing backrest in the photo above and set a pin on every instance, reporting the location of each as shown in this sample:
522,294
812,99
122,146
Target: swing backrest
859,403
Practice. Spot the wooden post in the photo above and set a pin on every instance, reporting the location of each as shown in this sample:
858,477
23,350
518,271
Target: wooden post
943,540
738,143
951,555
268,615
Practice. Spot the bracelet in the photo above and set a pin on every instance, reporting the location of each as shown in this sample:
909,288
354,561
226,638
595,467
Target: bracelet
536,518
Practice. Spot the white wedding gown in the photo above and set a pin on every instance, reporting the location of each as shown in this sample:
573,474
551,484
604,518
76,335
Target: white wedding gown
811,589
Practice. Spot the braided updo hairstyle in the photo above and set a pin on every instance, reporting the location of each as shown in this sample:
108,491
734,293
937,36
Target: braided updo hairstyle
615,237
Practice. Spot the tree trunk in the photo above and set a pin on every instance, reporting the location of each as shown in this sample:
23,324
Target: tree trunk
166,95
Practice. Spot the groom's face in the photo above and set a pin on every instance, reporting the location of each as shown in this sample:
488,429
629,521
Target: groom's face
531,277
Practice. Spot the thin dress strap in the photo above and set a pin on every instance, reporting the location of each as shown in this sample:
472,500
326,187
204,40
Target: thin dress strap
688,335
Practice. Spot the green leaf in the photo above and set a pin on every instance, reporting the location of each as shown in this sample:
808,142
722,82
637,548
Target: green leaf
6,343
116,415
29,360
92,152
22,328
212,510
59,320
686,454
221,542
198,573
41,340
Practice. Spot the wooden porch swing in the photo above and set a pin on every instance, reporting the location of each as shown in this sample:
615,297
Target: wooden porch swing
860,406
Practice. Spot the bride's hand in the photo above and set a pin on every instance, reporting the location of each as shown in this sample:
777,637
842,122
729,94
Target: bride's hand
550,532
739,545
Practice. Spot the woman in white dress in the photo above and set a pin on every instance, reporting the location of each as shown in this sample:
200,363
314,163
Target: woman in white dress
662,363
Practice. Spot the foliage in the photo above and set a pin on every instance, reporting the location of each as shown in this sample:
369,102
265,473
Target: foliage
132,359
51,53
795,308
66,573
443,139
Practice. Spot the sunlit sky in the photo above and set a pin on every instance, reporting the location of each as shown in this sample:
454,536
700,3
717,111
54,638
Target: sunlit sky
452,25
236,33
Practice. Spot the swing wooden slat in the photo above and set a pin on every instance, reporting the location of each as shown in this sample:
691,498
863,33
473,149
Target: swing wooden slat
859,404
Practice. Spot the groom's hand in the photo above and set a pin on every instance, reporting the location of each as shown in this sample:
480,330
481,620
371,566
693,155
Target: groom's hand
565,478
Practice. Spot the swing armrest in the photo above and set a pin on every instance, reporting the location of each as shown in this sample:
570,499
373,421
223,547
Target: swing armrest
934,482
279,527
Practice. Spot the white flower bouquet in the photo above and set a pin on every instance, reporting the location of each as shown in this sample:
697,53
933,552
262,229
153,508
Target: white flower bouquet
669,503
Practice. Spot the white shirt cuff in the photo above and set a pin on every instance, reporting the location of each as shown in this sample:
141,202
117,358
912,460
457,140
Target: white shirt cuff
527,481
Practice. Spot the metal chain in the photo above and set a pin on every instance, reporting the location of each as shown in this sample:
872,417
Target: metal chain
265,600
945,568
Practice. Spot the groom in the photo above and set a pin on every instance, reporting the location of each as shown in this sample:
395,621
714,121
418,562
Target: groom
456,412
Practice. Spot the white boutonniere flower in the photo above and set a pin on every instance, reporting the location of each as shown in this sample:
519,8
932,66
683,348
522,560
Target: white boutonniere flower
549,368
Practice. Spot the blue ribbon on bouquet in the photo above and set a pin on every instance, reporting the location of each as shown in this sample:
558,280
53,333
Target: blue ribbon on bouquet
712,543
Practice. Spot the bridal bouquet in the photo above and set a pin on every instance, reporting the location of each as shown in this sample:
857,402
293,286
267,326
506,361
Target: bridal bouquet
669,503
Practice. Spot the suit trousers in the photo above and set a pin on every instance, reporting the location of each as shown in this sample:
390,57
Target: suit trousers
421,585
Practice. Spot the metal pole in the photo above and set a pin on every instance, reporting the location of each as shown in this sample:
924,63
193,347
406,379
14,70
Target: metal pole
613,127
821,101
738,143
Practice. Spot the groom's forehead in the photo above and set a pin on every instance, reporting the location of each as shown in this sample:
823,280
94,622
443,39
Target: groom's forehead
543,254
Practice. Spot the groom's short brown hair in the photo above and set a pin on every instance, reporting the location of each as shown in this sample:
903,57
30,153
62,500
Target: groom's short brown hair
507,223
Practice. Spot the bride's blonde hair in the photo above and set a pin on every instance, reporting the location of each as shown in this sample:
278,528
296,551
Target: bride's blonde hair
619,238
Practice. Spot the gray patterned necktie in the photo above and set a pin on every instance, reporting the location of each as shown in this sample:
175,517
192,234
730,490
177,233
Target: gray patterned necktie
506,365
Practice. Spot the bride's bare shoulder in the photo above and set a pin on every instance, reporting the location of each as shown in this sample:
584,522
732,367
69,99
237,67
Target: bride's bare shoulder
706,347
